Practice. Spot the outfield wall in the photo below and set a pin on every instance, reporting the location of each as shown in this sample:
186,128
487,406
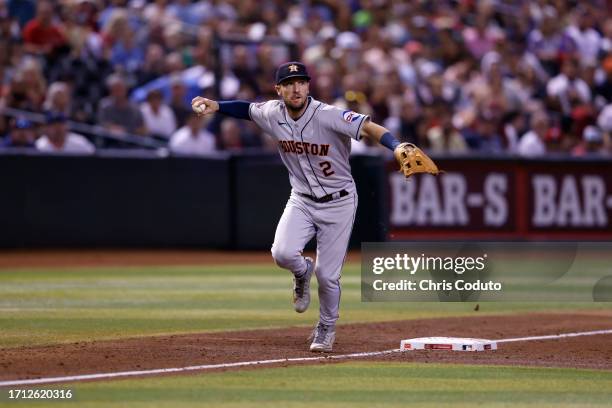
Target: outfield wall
557,198
133,200
140,199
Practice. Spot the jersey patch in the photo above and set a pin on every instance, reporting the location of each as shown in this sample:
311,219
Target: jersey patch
350,116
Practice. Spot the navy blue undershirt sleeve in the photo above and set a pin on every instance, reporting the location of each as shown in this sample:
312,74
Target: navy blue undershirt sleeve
389,141
236,109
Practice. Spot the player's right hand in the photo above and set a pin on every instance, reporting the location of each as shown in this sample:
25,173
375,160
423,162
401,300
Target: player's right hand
203,106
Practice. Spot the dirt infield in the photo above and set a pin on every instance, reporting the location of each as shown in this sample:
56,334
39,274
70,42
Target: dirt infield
227,347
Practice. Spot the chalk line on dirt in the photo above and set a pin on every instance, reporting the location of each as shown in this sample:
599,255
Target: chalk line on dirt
99,376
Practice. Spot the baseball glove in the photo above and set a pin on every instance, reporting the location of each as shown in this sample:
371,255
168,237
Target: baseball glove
412,160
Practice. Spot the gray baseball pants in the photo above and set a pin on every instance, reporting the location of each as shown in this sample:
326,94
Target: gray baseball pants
332,224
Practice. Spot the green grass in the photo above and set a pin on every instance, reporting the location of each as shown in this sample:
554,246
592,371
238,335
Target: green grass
356,384
45,306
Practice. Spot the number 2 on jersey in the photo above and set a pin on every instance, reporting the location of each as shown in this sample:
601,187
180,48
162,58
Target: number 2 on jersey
326,167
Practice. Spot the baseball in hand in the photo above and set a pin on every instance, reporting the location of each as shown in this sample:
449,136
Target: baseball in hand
203,106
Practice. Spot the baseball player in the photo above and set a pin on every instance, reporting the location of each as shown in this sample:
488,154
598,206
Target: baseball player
314,143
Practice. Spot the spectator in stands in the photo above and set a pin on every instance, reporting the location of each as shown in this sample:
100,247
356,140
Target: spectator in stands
86,14
230,135
583,31
513,123
127,54
158,117
115,25
242,68
557,143
180,107
57,138
59,99
444,138
154,64
9,30
81,28
42,35
603,87
193,138
250,137
188,12
173,63
117,113
567,89
21,134
592,143
532,143
108,12
489,139
548,43
27,88
156,12
410,123
604,120
479,59
481,39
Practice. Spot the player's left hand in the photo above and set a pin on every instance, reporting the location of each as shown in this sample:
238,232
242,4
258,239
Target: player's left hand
413,160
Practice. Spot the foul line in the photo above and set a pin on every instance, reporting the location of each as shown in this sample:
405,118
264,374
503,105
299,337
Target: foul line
191,368
556,336
261,362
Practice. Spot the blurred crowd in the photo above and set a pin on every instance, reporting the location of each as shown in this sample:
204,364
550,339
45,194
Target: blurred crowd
530,78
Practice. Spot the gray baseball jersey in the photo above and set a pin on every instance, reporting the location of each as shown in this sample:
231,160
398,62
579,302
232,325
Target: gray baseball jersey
315,149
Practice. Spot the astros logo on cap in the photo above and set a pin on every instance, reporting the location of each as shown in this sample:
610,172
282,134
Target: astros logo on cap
291,69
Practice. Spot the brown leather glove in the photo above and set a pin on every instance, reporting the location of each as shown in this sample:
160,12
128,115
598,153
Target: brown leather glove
412,160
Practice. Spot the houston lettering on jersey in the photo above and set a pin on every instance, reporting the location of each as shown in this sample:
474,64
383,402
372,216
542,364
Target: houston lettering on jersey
314,149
